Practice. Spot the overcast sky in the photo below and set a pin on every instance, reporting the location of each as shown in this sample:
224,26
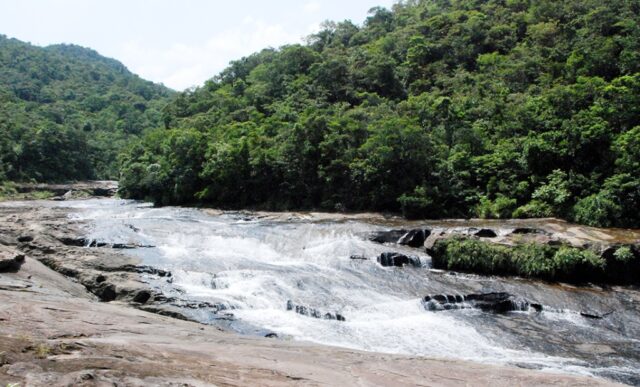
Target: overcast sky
180,43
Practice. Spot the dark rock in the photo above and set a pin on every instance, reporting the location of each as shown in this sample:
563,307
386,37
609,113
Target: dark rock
390,236
70,241
398,260
529,230
311,312
25,238
358,257
271,335
140,269
495,302
414,238
536,306
10,262
106,292
486,233
594,316
624,272
142,296
129,246
134,228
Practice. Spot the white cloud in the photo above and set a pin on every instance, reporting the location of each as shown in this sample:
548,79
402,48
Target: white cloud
181,66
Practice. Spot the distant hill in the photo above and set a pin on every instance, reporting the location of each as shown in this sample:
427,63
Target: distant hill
66,111
437,108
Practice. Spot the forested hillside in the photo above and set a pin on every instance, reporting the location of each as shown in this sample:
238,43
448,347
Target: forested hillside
438,108
66,112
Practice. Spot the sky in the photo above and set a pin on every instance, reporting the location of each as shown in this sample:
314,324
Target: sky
180,43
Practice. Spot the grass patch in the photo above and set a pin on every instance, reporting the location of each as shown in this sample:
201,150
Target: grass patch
531,260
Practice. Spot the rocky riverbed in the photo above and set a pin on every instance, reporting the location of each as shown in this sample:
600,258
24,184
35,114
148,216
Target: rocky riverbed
94,298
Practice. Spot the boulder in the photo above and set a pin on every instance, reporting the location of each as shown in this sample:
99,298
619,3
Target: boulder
398,260
414,238
485,233
389,236
495,302
10,260
530,230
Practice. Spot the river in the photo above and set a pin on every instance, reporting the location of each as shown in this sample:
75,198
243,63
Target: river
245,269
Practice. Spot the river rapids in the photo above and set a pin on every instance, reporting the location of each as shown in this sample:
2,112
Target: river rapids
270,275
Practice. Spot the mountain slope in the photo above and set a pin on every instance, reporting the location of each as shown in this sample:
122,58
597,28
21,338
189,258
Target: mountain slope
438,108
66,111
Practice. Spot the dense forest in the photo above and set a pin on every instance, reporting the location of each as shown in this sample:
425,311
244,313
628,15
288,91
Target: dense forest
436,108
66,112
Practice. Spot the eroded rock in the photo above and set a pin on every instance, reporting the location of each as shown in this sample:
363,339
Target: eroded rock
10,260
485,233
398,260
315,313
414,238
389,236
495,302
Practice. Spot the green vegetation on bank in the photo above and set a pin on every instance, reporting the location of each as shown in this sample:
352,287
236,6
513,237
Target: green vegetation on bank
437,108
535,260
66,112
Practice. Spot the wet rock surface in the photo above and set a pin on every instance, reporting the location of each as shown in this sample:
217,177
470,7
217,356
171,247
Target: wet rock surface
399,260
315,313
495,302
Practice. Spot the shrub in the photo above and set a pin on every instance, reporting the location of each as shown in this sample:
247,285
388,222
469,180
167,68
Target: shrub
597,210
624,254
533,209
530,260
500,208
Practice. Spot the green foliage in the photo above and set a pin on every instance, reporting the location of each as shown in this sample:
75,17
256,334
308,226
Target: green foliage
533,209
526,260
500,208
7,190
432,108
416,205
596,210
624,254
66,112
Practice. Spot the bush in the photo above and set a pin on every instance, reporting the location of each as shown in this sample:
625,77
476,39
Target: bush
500,208
597,210
533,209
530,260
624,254
7,189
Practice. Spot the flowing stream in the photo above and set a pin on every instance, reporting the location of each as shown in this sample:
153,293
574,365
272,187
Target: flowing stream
251,267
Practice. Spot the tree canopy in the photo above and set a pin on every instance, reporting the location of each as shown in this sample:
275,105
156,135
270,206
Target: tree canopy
66,112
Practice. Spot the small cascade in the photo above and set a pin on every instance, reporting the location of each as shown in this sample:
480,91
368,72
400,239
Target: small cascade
315,313
496,302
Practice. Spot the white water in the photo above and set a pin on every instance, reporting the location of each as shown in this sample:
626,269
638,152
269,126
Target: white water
256,266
